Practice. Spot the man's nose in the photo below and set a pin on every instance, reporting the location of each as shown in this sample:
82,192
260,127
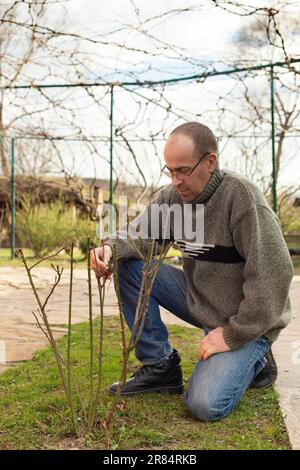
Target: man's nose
176,181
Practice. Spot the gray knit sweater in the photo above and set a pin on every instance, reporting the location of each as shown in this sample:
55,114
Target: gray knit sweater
241,282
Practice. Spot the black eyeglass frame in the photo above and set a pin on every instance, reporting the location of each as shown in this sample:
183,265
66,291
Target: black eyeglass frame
191,170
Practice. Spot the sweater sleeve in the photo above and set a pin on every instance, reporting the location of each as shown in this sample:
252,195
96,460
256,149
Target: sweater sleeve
267,274
149,227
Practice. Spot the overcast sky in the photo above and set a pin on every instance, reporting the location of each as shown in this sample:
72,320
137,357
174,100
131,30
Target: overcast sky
206,32
206,35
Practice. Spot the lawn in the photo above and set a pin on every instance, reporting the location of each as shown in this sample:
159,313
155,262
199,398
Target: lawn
62,259
34,415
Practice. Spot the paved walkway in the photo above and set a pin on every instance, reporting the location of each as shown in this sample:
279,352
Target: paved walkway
18,328
20,337
287,352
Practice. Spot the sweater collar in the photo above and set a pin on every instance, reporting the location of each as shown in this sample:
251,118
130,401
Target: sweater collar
211,186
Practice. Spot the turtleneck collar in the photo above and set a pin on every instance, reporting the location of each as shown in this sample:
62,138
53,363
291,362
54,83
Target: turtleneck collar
211,186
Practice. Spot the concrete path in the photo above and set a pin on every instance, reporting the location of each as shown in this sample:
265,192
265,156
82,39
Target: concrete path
20,337
287,353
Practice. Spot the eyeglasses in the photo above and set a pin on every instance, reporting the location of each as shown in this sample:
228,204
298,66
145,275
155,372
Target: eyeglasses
182,174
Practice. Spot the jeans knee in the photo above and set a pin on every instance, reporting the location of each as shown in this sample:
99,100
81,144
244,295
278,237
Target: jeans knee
207,408
200,409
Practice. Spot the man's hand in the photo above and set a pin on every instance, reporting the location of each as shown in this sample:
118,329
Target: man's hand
100,258
213,343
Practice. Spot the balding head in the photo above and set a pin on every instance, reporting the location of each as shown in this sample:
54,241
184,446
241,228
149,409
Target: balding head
202,137
190,155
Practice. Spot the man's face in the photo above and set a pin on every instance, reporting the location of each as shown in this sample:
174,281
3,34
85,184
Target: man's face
179,154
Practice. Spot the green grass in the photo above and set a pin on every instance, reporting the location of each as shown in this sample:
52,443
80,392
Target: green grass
62,259
296,263
33,412
294,242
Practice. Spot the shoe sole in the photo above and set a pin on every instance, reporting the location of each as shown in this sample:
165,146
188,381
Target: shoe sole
171,389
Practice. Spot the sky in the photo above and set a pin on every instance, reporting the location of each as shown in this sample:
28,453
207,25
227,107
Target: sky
207,35
204,34
207,32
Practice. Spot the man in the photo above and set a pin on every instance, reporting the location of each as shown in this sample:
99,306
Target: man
234,285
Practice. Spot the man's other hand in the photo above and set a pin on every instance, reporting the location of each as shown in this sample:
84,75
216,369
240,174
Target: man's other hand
213,343
100,258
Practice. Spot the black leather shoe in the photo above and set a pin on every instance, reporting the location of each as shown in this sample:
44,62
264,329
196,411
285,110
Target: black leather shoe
268,375
165,376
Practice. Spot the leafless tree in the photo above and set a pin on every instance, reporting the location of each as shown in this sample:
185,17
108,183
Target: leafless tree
253,114
37,48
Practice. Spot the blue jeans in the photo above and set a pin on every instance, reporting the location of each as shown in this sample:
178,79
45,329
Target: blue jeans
217,384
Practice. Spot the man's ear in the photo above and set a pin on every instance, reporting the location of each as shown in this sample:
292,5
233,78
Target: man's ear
212,162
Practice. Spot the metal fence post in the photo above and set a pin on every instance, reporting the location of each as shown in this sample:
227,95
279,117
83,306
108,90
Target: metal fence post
274,173
111,211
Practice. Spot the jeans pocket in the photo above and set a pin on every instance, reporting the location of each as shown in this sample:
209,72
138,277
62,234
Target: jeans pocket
259,365
264,344
267,340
